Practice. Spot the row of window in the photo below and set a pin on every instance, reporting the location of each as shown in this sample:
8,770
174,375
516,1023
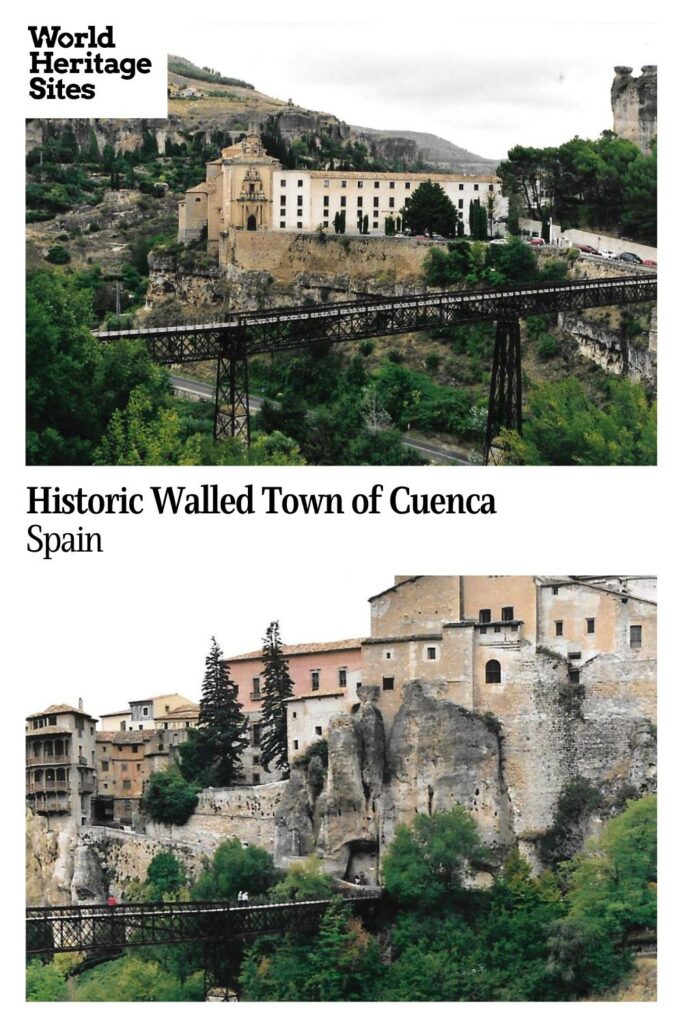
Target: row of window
635,632
315,681
361,182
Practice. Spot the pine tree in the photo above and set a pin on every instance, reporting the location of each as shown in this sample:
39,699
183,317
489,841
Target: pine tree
278,686
222,732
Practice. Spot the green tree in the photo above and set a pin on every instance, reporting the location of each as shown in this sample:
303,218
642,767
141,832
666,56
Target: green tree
426,862
168,797
478,218
74,384
305,880
236,868
564,426
214,757
166,876
277,688
340,964
45,983
143,434
611,890
134,978
430,211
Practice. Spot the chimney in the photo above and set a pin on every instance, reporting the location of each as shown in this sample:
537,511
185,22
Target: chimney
80,703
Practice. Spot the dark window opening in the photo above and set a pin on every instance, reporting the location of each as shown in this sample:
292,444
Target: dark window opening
315,680
318,730
388,683
559,628
493,671
431,654
507,614
342,677
636,636
590,625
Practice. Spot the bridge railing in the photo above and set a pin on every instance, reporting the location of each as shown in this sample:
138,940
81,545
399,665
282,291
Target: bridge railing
99,926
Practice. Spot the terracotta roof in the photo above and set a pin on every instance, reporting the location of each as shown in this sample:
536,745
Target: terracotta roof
182,711
292,650
61,709
128,738
405,175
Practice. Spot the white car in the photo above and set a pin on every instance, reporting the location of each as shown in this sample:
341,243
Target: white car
608,254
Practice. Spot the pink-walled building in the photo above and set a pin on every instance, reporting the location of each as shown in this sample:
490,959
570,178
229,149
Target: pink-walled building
316,669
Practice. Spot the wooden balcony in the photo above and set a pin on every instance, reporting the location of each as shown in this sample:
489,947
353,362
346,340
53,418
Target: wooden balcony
48,759
48,786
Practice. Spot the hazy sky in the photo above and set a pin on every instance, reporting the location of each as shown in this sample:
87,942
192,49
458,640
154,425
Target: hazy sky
485,87
155,646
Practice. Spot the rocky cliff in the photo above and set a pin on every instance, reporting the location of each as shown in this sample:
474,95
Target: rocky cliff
346,798
634,105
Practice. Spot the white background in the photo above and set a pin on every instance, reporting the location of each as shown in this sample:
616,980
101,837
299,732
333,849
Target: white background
142,611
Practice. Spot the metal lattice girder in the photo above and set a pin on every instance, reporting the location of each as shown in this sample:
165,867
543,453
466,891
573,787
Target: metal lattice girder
101,927
505,395
231,341
274,330
231,416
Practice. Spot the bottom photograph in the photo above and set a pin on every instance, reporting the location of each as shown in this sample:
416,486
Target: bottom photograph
458,805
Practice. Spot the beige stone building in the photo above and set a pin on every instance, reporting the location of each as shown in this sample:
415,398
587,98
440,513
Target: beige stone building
477,641
60,764
473,635
247,190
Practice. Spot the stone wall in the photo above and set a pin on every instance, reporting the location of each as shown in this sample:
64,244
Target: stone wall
267,269
247,813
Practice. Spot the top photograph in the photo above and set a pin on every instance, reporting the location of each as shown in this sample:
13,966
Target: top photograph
258,281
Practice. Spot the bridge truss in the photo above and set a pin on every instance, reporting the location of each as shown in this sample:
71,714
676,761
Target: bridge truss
232,340
100,928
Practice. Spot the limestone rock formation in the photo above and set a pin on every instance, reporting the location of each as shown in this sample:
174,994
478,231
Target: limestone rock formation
634,105
49,862
441,755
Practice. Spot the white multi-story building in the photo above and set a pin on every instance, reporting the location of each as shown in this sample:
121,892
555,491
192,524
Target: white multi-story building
247,190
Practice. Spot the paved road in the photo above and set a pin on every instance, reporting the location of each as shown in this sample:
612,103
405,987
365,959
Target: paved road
198,390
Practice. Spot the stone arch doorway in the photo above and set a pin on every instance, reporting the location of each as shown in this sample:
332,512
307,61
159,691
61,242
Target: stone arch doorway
251,222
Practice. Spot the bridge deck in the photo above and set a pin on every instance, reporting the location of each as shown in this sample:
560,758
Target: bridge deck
101,927
290,327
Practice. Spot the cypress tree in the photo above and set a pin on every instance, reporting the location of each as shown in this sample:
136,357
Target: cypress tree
277,687
222,728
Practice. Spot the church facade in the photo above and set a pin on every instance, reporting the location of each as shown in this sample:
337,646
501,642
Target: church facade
247,190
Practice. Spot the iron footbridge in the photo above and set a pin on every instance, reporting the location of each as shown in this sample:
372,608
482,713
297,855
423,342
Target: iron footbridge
231,340
99,928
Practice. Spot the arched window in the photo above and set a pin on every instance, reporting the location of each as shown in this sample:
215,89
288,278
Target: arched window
493,671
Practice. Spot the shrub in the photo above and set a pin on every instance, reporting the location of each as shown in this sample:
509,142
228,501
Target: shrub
547,347
169,798
564,837
58,254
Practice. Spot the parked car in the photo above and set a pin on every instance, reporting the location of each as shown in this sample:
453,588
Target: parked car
537,241
607,254
629,257
589,249
649,263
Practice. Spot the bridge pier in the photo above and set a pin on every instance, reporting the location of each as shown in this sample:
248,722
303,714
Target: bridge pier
231,413
505,395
